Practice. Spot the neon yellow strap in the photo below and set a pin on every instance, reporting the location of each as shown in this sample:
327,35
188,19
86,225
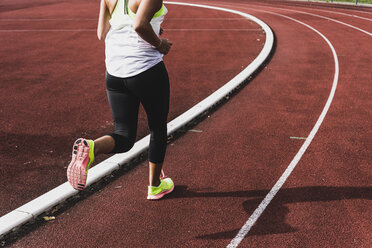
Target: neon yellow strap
91,153
160,12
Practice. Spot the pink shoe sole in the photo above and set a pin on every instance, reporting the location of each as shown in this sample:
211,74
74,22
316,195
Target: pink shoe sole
158,196
77,169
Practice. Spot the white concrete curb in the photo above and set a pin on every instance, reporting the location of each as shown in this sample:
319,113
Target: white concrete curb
45,202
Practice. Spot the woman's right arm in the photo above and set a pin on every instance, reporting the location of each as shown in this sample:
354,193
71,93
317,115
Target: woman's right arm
144,14
103,21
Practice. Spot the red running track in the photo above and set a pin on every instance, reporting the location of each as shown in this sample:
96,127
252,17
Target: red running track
223,172
53,88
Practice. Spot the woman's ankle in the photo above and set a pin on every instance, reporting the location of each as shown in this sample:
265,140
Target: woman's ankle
155,183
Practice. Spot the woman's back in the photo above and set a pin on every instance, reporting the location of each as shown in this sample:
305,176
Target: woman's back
127,54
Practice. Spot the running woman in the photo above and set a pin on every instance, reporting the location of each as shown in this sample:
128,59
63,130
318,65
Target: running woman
135,73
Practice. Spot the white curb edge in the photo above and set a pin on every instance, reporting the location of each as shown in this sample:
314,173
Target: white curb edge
45,202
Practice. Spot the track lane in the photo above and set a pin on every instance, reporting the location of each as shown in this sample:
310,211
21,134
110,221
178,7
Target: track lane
39,135
222,74
353,15
320,204
351,237
347,8
281,181
204,195
359,24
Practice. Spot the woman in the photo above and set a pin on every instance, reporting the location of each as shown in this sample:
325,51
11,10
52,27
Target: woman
135,73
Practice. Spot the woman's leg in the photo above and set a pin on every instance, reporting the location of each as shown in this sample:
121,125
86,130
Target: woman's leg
124,107
104,145
152,87
154,173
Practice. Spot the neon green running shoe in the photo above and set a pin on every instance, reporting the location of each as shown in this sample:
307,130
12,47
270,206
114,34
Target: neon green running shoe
166,186
82,158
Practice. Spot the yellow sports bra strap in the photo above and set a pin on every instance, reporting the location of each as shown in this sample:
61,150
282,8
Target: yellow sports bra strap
122,7
160,12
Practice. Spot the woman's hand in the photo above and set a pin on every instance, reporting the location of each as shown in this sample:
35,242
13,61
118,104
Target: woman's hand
144,14
164,46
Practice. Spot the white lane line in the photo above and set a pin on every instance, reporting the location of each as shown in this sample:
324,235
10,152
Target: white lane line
168,29
327,18
268,198
216,29
45,30
339,3
332,5
59,194
314,9
44,19
302,12
339,13
309,7
89,19
207,18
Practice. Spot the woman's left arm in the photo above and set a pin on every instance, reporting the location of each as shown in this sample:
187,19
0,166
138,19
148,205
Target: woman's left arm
103,21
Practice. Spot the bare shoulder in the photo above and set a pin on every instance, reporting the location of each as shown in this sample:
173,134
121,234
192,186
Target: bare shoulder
152,4
111,5
134,4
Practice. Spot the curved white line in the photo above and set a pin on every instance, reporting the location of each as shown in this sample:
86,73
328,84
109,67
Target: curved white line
302,12
89,19
236,81
45,19
59,194
45,30
339,13
316,9
171,29
265,202
333,7
327,18
359,11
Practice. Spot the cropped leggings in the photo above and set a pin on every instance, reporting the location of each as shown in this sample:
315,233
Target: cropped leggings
151,89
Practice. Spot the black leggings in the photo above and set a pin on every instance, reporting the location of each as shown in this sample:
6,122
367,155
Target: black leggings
151,88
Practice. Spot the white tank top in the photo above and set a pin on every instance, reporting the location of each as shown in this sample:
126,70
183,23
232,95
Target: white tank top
127,54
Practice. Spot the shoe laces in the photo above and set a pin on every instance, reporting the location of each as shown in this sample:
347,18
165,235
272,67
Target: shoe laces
162,176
